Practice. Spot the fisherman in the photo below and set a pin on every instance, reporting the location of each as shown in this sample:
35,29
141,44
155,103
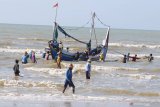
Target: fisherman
101,57
67,49
30,54
60,45
86,54
16,68
55,44
33,58
125,59
25,58
47,56
104,50
88,69
150,58
134,58
128,56
43,54
68,80
89,46
77,55
59,59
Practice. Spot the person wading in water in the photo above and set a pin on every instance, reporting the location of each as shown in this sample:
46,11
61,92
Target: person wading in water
68,80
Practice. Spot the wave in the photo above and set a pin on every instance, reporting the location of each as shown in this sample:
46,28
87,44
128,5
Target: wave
142,76
98,68
61,97
112,91
50,71
16,50
20,83
134,45
35,39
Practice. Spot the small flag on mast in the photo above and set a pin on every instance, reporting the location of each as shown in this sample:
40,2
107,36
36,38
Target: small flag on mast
55,5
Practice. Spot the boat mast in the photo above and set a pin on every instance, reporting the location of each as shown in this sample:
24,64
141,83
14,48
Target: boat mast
55,33
92,27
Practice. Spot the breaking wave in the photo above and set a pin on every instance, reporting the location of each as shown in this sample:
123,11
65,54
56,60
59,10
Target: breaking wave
35,39
79,67
61,97
134,45
21,83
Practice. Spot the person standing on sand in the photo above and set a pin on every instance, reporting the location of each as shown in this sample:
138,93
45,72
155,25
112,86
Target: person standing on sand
16,68
68,80
88,69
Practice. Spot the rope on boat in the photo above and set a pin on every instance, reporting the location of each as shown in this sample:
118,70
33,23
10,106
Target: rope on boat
83,26
101,21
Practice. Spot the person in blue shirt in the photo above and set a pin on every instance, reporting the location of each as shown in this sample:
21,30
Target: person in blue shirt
88,69
68,80
25,58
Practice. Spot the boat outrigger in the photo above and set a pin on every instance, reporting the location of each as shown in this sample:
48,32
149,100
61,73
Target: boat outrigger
93,53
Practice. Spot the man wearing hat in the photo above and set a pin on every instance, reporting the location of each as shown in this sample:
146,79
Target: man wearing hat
88,69
68,80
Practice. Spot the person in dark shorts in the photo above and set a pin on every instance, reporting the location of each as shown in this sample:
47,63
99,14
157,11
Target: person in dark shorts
88,69
125,59
68,80
16,68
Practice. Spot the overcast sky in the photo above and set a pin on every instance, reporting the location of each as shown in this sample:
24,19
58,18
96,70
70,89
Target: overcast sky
128,14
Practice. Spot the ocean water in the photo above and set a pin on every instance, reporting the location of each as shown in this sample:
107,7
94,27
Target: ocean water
114,82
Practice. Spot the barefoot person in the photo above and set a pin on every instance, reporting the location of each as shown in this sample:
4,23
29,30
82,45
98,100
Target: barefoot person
16,68
68,80
88,69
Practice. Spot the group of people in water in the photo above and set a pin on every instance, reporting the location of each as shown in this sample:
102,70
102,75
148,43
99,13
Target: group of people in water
127,58
31,55
68,80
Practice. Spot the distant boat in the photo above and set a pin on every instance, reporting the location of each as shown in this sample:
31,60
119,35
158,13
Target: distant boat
68,56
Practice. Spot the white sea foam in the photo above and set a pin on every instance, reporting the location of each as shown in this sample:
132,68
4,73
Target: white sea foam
60,97
134,45
98,68
21,83
141,76
18,50
21,51
51,71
